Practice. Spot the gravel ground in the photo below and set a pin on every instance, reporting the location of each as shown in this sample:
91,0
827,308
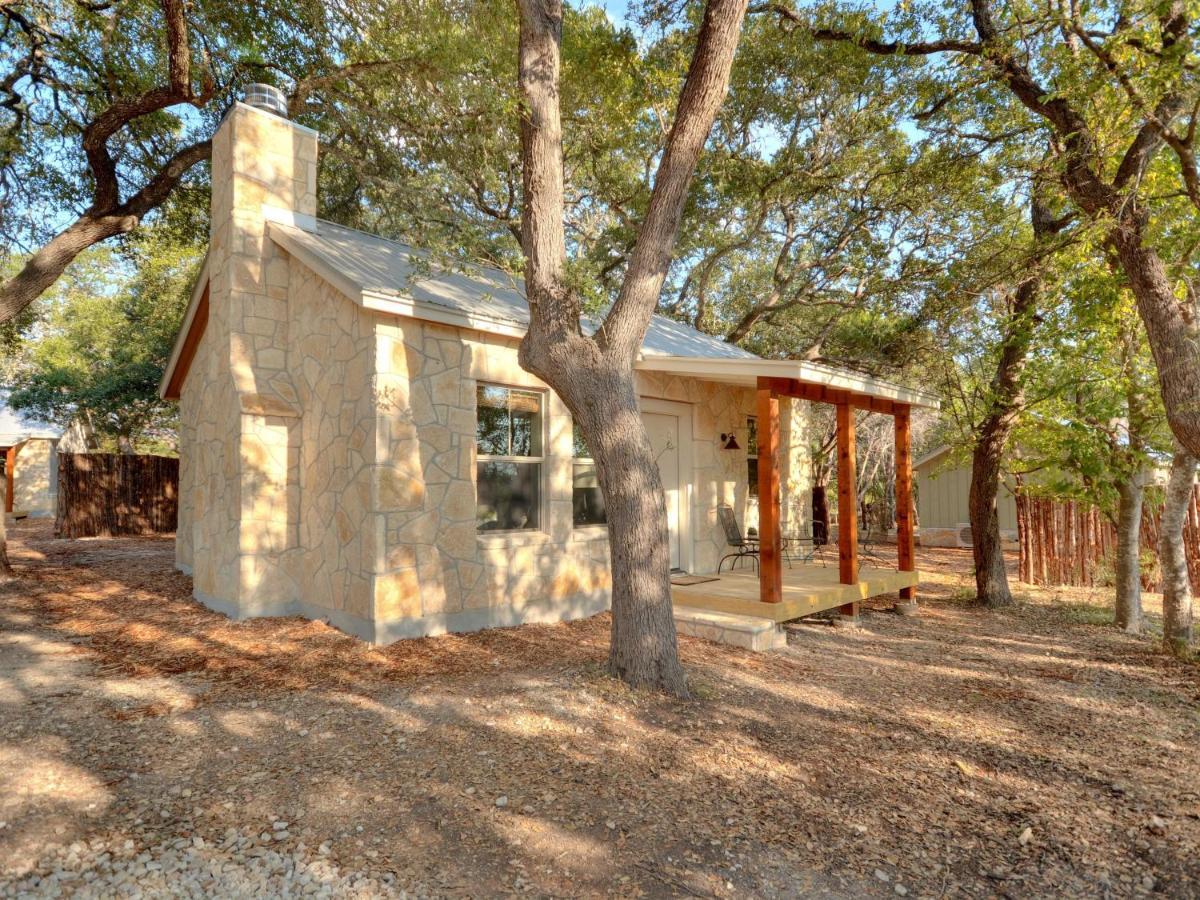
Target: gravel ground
148,746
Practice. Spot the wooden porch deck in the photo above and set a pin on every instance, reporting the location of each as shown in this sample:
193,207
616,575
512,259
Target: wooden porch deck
807,589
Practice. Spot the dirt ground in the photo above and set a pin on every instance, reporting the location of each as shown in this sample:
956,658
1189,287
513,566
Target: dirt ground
959,753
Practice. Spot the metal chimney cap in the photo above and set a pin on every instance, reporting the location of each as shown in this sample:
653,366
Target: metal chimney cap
267,97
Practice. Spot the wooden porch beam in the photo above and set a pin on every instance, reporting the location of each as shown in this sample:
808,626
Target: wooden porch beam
819,393
847,501
770,556
905,532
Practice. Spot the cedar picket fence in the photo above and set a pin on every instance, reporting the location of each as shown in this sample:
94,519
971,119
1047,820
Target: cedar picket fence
109,494
1064,542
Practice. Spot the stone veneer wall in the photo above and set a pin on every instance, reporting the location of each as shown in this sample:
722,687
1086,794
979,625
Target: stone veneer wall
434,572
34,478
331,363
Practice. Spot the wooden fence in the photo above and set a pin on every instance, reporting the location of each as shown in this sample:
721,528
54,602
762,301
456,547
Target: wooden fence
1064,542
111,494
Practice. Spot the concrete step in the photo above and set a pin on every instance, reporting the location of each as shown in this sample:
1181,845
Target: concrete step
750,632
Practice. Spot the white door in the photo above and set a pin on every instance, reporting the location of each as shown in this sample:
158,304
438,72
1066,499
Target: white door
664,440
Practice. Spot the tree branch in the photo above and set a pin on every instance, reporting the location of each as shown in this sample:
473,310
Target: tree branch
871,45
703,92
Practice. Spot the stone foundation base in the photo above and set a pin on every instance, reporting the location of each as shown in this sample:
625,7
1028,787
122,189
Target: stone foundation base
388,631
749,632
907,607
843,621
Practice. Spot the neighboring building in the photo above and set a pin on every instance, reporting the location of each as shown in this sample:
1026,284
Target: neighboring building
359,444
943,487
29,452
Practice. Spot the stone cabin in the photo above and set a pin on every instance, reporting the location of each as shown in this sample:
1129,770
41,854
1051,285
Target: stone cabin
358,443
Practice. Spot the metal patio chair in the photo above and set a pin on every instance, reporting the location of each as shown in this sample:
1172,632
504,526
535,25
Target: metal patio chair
805,545
743,547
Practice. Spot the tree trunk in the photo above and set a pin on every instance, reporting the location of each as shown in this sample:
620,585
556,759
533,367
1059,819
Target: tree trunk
643,650
820,512
1172,555
1007,400
991,579
1129,545
594,374
1173,330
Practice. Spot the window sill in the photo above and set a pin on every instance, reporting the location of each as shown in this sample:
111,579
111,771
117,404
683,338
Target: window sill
512,538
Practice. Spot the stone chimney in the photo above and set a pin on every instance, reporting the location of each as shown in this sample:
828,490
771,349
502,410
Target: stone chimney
264,169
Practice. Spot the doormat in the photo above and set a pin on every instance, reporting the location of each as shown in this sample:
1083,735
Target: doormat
683,580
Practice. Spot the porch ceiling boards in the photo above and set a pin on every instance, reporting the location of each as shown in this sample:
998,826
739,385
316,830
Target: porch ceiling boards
805,590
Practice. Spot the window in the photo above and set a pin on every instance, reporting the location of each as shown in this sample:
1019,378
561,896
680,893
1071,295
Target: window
508,469
587,501
752,455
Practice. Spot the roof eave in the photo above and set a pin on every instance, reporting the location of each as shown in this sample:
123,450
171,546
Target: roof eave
747,371
184,335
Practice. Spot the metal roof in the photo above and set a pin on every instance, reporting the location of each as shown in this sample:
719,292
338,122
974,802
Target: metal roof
380,270
392,277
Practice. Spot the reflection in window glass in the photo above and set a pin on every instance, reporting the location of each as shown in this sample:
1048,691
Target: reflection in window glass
587,500
508,495
508,443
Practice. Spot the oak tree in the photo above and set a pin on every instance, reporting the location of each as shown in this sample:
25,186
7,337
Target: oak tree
593,373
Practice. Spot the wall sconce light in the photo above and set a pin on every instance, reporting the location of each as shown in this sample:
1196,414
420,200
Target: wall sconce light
729,442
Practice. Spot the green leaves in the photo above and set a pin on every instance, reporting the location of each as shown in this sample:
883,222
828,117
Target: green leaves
102,341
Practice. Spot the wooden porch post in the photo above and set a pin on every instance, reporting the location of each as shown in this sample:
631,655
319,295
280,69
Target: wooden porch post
770,557
847,502
905,537
10,465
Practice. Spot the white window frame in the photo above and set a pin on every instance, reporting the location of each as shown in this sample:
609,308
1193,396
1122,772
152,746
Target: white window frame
541,461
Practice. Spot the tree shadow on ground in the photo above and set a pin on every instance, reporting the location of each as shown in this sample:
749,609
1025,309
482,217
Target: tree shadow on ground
920,749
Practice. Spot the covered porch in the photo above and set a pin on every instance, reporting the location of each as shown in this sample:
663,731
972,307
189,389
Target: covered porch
779,592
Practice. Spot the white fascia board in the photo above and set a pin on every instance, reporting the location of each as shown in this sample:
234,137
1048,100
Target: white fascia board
936,453
748,371
185,326
399,305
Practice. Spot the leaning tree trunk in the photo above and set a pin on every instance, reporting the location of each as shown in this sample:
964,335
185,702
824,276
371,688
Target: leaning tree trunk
1172,327
1007,400
1129,545
1172,555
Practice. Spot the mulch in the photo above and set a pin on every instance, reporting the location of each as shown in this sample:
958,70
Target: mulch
1032,752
